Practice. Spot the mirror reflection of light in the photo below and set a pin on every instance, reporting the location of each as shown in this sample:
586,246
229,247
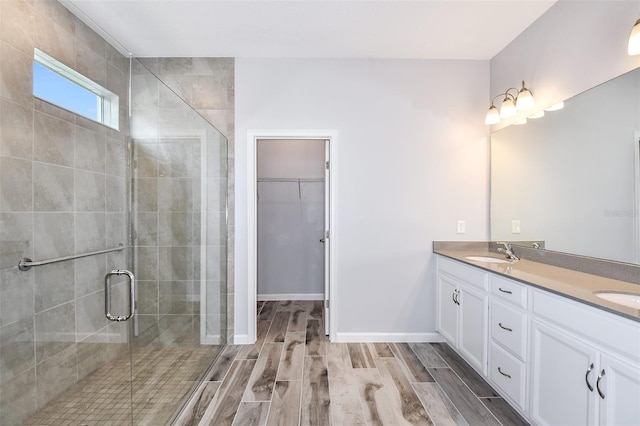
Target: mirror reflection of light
521,121
538,114
555,107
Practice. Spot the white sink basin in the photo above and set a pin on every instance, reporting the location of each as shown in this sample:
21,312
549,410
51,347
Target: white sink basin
486,259
625,298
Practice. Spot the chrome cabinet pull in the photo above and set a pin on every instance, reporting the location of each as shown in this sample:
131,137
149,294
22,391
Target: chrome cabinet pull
504,374
107,295
600,376
455,295
586,377
505,291
503,327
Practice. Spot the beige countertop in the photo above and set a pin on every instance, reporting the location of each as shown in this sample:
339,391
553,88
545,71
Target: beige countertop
566,282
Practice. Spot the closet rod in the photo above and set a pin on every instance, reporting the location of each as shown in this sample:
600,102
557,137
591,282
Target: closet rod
290,179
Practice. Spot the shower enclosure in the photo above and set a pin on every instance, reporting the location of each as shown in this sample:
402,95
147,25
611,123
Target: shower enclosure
151,201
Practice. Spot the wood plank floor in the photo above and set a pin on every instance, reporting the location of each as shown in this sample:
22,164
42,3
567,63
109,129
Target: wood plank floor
294,376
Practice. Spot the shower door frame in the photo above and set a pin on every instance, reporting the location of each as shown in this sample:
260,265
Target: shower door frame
252,235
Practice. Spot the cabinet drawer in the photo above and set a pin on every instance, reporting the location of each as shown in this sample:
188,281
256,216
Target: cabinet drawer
508,374
509,291
468,274
509,328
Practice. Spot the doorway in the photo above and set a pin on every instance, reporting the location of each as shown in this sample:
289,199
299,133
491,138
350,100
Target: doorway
290,194
291,205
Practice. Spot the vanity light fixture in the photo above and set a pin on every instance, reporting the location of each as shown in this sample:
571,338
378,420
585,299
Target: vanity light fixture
511,104
634,40
538,114
521,121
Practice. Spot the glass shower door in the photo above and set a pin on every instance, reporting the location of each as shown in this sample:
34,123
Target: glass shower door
179,247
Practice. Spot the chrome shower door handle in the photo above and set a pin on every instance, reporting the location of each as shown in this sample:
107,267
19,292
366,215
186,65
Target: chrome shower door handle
107,295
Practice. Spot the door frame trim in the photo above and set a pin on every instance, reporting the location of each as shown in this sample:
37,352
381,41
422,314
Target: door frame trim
252,216
636,204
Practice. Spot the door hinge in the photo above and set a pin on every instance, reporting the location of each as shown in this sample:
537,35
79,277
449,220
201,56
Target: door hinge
326,165
326,304
326,234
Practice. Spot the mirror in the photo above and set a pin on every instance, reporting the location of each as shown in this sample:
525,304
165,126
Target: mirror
571,178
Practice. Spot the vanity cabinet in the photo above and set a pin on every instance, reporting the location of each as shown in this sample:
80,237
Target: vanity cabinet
585,365
462,313
621,389
556,360
562,369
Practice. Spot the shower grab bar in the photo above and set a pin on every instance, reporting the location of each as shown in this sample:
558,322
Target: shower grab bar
25,263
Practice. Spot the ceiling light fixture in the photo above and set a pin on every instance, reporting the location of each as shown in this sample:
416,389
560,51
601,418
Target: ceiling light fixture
512,103
634,40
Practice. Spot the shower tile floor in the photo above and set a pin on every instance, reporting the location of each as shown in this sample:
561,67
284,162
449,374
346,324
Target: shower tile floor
294,376
162,378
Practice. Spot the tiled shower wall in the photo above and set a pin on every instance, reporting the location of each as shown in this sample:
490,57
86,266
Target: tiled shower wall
179,195
62,191
207,85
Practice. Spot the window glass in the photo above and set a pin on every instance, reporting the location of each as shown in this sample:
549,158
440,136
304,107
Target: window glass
54,88
58,84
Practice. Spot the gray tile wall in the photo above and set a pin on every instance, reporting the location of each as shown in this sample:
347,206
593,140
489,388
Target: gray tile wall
169,140
62,191
207,85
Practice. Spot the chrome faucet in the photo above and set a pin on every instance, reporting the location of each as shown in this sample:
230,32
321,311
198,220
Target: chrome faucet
508,251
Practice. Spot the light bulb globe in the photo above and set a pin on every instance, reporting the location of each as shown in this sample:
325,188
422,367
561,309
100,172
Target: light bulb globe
507,109
525,100
493,116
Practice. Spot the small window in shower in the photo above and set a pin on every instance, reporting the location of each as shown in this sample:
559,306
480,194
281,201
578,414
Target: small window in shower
58,84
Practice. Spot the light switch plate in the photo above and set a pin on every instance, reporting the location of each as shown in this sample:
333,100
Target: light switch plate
461,227
515,226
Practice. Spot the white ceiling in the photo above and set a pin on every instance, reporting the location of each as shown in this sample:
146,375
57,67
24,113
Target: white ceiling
425,29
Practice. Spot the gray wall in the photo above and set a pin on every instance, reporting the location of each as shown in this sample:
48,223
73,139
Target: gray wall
412,159
560,56
62,191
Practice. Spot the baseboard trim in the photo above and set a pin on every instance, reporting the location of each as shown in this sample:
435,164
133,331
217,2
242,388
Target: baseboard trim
241,339
290,296
389,337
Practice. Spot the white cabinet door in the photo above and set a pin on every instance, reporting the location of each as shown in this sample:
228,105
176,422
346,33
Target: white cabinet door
473,336
447,309
559,377
620,386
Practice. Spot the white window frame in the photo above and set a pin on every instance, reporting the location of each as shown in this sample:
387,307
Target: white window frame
108,102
